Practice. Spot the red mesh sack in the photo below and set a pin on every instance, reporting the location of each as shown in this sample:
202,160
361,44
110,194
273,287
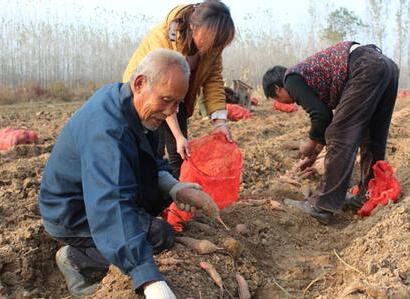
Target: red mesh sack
236,112
216,165
284,107
11,137
381,189
175,217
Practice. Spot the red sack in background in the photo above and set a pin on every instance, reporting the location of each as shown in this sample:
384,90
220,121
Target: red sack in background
9,138
236,112
403,93
284,107
382,188
254,101
216,165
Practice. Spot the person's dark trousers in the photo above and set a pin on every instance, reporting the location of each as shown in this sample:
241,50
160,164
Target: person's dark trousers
362,118
167,139
84,255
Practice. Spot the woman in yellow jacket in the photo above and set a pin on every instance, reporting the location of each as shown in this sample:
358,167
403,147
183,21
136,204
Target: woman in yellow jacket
200,32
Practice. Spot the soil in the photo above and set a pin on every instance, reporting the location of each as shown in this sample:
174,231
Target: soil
284,254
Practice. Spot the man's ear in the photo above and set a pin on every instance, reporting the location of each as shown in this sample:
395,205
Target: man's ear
138,84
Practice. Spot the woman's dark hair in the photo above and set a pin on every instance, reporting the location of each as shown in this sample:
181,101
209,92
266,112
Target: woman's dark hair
211,14
272,78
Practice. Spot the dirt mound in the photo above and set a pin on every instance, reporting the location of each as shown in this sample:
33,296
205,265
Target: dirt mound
284,251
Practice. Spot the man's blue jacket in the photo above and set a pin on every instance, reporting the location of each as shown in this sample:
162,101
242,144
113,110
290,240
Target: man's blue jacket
101,181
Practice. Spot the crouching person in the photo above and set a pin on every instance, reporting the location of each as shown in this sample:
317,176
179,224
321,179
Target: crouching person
359,84
103,187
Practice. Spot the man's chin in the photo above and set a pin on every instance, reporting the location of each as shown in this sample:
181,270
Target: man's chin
150,126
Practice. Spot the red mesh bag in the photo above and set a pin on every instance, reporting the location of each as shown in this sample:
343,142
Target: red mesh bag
216,165
236,112
382,188
284,107
11,137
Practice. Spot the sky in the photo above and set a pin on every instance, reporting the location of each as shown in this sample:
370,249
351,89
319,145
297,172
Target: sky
288,11
248,15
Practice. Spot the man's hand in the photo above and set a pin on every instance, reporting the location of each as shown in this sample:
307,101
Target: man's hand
308,148
183,147
158,290
221,126
309,151
180,191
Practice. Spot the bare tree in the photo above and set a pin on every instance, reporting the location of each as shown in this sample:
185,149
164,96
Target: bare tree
407,25
402,30
378,15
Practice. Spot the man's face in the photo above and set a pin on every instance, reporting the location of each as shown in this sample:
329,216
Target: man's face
157,102
283,96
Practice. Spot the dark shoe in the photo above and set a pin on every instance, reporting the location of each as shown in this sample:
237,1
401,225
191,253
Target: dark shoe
320,215
354,202
76,283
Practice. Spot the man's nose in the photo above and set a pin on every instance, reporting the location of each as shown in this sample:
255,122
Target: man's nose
171,109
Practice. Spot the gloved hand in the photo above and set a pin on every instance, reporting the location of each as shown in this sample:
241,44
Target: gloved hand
158,290
174,195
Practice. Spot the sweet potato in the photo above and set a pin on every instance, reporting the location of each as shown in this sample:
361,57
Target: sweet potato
210,269
200,246
276,205
242,229
243,289
202,201
170,261
232,246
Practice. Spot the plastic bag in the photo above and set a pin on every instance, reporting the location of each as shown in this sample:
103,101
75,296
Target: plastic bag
216,165
381,189
284,107
236,112
9,138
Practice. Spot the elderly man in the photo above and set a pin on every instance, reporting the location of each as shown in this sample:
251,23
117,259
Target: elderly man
103,186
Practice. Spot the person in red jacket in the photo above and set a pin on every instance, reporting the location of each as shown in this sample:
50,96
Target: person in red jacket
349,91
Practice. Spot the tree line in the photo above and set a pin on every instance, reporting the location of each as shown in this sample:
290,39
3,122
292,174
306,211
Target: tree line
76,52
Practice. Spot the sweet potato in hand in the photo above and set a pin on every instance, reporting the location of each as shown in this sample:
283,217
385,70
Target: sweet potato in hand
200,200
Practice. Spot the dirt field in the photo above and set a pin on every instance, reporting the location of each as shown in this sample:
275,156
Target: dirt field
285,254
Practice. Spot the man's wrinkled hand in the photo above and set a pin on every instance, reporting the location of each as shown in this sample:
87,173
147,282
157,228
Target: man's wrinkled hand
309,148
305,163
183,147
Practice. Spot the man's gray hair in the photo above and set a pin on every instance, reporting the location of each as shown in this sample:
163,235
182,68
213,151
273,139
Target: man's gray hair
157,62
